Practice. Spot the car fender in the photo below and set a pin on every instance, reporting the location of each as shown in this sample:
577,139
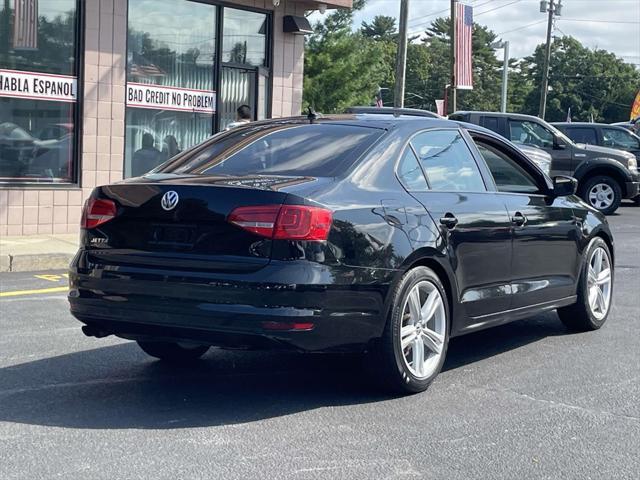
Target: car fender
602,165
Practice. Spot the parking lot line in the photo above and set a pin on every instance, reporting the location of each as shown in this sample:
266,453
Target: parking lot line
16,293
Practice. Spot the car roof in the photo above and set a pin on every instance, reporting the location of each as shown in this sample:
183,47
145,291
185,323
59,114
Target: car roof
521,116
377,120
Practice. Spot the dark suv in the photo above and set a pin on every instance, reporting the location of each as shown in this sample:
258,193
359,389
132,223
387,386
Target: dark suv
605,175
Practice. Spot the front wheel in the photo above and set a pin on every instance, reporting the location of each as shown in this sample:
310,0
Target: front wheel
603,193
173,352
413,347
595,290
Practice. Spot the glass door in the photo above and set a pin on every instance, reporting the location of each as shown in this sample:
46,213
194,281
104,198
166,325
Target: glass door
237,87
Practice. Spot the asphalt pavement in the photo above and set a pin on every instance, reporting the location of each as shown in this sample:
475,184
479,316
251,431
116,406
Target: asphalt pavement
526,400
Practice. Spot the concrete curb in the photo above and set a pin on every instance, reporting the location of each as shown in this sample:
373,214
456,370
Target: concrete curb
33,262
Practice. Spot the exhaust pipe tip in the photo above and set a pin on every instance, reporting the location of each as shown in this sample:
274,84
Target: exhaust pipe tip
91,331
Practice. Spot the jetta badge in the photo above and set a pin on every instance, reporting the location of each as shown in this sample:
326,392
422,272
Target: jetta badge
170,200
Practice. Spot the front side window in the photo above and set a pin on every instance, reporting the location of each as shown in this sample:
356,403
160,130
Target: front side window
530,133
507,174
171,97
276,149
620,139
583,135
447,161
38,91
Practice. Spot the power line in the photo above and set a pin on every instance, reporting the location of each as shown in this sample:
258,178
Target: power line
495,8
596,21
522,27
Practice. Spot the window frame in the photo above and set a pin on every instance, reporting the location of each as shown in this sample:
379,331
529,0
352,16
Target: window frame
517,156
78,119
485,175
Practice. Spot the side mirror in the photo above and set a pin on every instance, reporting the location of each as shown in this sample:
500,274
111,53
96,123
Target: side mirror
558,144
564,186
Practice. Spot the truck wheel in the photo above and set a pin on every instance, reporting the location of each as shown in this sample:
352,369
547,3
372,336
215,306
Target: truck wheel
603,193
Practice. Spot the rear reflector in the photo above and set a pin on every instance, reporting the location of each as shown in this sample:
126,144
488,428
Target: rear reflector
287,326
97,211
286,222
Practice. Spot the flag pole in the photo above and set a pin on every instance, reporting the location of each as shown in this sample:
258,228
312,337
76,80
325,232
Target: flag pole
454,93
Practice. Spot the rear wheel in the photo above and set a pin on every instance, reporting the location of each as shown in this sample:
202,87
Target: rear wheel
173,352
603,193
595,290
414,344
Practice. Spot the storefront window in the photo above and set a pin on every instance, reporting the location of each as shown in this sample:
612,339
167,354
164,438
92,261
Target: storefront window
245,37
38,90
171,98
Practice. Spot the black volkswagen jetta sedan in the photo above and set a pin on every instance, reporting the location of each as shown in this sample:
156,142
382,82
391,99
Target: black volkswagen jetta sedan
380,234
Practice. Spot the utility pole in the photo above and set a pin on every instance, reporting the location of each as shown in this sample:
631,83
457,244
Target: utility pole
454,93
553,9
505,73
401,57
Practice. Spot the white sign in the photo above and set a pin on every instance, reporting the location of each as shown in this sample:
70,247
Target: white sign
38,86
143,95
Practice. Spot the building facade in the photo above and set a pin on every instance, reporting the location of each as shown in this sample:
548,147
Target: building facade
94,91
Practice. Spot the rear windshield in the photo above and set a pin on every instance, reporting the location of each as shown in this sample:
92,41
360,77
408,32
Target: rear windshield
277,149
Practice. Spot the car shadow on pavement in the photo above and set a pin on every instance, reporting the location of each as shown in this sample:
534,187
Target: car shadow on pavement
117,386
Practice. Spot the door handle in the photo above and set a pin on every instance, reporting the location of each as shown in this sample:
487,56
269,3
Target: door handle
519,219
449,220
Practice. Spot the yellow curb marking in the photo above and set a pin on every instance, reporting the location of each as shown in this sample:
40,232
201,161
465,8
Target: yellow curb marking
52,278
16,293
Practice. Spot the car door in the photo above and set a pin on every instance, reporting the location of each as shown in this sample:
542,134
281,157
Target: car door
532,133
545,256
473,221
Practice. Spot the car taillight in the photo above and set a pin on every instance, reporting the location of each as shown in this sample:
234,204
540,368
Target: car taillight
97,211
286,222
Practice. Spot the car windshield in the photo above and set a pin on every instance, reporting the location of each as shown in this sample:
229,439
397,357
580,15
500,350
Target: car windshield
277,149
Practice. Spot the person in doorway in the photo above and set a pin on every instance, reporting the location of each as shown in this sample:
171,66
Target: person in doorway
146,158
243,116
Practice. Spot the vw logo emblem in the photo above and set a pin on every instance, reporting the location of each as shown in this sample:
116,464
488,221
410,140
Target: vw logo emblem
170,200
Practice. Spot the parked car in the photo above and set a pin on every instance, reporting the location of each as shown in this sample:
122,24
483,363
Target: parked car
604,135
371,233
605,176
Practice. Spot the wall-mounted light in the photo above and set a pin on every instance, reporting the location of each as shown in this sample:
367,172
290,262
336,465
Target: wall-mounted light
276,3
322,7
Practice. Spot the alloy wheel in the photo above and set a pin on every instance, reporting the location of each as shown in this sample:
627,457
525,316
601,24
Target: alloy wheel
599,283
601,196
422,329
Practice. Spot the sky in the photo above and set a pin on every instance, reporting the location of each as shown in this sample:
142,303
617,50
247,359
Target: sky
612,25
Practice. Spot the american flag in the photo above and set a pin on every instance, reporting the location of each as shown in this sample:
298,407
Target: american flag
25,25
464,30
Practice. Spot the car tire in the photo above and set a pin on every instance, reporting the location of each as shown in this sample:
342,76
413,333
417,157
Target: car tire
173,352
394,367
636,200
603,193
583,315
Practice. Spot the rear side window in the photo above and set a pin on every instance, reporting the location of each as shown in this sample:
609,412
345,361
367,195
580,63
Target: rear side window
447,161
410,173
491,123
582,135
278,149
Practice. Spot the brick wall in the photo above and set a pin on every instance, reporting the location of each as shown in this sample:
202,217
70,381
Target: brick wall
30,211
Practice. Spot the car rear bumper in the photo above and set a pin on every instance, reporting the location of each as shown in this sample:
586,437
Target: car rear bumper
296,305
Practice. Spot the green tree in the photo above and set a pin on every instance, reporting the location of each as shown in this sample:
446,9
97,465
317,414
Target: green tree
590,82
381,28
343,68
